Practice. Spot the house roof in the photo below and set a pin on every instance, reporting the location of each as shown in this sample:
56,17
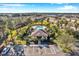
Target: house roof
39,33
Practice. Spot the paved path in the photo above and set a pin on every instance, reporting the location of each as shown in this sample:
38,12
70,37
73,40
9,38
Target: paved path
34,50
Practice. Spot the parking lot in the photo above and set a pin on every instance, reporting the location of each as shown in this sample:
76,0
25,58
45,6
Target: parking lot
34,50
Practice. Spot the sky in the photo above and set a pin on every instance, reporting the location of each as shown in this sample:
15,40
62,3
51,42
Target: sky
39,7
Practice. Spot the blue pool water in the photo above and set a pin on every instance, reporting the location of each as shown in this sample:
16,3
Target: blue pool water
39,27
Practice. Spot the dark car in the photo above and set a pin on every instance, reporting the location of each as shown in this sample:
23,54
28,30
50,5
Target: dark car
19,50
8,51
5,51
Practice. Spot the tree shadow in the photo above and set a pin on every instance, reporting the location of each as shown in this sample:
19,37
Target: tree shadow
73,53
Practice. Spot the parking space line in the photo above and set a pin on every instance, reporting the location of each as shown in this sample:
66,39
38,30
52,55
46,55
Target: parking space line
53,51
33,50
45,50
36,50
26,51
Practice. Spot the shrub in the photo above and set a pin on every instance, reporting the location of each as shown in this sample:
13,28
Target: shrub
65,42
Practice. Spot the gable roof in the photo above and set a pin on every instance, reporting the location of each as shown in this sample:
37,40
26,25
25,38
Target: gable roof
39,33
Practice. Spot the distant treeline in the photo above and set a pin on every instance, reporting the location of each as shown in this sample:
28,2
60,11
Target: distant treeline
29,14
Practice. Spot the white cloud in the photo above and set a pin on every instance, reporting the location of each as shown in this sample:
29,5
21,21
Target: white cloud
17,10
12,4
10,10
61,9
59,3
68,8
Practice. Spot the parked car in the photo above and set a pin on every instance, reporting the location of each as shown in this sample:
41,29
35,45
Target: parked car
8,50
19,50
5,51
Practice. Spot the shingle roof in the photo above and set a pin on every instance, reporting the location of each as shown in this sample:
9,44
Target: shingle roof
39,33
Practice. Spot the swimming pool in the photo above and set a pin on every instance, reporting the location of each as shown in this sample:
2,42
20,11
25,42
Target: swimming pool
39,27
